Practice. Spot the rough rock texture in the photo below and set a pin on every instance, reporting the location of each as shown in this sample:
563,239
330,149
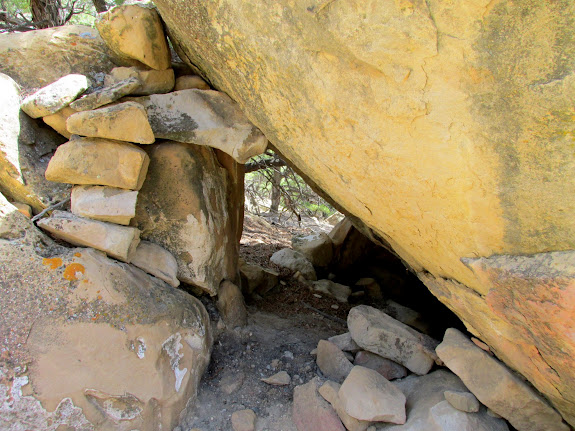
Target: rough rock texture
117,241
387,368
376,332
278,379
329,391
344,342
124,122
231,304
367,395
444,126
151,81
100,162
24,56
183,207
156,261
288,258
106,95
57,121
496,386
317,247
257,279
135,32
50,99
204,117
244,420
135,347
427,409
332,361
25,151
311,411
104,203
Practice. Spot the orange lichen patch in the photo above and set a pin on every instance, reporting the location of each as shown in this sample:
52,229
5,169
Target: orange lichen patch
78,254
52,262
73,271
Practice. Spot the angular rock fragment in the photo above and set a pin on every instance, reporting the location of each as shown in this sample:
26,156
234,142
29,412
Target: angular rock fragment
156,261
244,420
184,207
24,209
463,401
288,258
189,82
57,121
376,332
151,81
278,379
119,242
344,342
334,290
204,117
496,386
332,361
102,203
106,95
94,161
135,32
257,279
311,411
367,395
329,391
317,248
126,121
386,367
231,304
55,96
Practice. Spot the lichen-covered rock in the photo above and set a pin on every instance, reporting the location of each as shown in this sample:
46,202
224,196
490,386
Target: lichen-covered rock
106,95
204,117
448,147
135,32
183,207
50,99
151,81
135,347
25,151
94,161
126,121
37,58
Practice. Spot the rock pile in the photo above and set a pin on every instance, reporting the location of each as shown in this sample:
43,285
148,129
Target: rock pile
363,379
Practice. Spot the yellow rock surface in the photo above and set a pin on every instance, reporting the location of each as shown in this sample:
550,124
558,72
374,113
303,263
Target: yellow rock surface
446,126
135,32
99,162
151,81
126,121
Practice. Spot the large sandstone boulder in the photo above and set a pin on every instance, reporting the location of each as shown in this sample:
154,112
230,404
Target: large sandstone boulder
89,343
183,207
67,49
446,127
25,151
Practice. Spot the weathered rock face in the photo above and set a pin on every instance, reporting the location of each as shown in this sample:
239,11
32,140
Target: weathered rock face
24,56
90,343
446,127
25,151
183,207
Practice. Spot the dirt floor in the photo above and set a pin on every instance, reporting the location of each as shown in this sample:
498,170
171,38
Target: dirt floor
283,328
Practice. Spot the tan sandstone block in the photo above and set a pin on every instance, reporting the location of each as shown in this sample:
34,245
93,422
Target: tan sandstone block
55,96
102,203
119,242
188,82
157,261
151,81
135,32
125,122
57,121
93,161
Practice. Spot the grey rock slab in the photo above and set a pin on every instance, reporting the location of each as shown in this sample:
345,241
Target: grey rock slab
332,361
376,332
117,241
496,386
157,261
340,292
367,395
55,96
106,95
204,117
464,401
317,247
345,342
386,367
